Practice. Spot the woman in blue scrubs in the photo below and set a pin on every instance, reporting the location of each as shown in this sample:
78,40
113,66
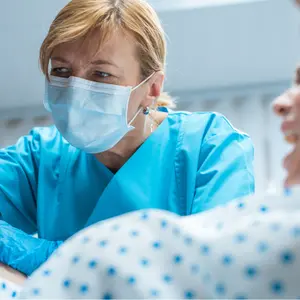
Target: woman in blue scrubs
115,146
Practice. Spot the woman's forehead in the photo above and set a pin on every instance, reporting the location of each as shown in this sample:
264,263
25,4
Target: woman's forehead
119,49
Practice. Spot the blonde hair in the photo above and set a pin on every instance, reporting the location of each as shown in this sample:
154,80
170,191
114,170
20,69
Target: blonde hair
136,17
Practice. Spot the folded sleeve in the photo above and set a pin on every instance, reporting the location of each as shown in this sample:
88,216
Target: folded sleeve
19,173
225,167
20,166
18,184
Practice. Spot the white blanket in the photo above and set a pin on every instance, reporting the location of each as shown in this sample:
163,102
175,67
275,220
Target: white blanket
247,249
8,290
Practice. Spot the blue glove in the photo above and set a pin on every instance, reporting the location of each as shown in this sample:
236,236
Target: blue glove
23,252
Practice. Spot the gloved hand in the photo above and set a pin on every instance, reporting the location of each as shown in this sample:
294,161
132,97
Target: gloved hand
21,251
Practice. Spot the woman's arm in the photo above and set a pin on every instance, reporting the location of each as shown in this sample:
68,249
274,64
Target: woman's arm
225,169
19,169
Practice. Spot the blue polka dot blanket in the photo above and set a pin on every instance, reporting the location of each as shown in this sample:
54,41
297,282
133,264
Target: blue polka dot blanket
249,248
8,289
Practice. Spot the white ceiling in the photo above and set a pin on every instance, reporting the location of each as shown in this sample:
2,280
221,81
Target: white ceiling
187,4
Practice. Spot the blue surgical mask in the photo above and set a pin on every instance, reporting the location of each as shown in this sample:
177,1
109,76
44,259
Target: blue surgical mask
91,116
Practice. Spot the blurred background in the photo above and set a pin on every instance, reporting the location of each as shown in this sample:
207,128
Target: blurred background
229,56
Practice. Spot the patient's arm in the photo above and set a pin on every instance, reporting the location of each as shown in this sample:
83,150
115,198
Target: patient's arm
11,275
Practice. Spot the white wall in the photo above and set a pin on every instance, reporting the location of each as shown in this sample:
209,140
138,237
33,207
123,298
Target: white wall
231,58
209,46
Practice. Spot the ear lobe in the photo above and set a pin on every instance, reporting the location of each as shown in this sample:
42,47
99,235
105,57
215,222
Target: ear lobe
149,101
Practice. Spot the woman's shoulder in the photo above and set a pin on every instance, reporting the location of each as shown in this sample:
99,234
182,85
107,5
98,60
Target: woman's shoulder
208,124
40,144
43,139
45,135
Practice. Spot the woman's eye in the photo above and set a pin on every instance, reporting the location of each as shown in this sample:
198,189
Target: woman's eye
61,72
102,74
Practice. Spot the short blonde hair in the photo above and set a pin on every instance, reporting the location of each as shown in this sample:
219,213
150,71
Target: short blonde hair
136,17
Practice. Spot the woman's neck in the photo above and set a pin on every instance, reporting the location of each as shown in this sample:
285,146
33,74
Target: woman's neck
116,157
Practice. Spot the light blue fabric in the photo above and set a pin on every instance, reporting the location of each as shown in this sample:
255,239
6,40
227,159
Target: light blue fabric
77,111
191,163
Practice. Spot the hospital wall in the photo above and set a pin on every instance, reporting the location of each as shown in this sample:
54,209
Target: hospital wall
232,58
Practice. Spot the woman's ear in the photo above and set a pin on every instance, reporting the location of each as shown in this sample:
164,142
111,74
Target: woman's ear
155,86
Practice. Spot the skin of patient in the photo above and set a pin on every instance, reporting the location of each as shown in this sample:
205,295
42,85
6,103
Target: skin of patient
11,275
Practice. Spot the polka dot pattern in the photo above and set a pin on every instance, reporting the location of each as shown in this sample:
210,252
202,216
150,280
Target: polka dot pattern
247,249
9,290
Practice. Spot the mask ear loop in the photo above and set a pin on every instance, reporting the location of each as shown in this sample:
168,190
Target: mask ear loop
144,81
146,110
139,110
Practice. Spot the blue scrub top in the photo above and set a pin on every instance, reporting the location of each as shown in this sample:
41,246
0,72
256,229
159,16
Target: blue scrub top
191,163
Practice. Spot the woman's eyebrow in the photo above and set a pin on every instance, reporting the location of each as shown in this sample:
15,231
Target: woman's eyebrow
104,62
60,59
